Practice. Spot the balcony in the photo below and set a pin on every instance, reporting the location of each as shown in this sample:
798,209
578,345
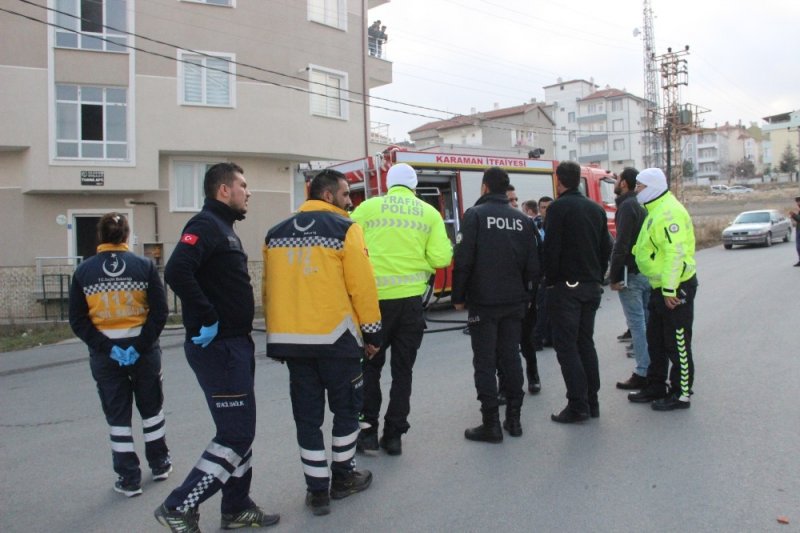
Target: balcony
593,158
601,117
595,137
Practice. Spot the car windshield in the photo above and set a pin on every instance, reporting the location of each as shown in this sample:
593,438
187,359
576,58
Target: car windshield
749,218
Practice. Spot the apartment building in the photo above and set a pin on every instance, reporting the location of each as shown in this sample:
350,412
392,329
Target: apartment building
780,131
513,131
122,105
716,152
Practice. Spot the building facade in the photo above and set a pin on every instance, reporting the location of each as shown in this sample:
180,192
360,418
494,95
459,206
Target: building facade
780,131
513,131
121,105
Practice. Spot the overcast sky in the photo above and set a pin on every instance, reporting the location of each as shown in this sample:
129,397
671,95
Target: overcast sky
454,55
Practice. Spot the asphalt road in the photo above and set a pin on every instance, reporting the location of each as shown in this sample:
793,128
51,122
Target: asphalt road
729,464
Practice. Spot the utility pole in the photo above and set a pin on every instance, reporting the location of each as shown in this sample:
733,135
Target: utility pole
651,144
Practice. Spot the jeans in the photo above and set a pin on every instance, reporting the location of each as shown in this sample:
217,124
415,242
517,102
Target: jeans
634,299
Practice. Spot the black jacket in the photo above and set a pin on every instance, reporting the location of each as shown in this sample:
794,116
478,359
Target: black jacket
208,272
496,259
577,244
629,218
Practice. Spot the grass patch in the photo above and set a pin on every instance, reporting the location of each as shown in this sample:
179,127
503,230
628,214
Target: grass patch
13,338
708,230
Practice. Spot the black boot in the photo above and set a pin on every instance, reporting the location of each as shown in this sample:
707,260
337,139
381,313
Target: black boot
489,431
511,423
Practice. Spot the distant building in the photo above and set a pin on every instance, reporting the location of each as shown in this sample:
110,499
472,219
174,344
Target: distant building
780,131
716,152
98,119
511,130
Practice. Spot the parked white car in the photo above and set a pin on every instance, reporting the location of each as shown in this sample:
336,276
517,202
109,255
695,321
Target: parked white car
733,189
757,227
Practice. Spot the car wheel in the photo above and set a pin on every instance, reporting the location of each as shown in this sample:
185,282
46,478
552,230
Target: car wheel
768,240
728,246
786,238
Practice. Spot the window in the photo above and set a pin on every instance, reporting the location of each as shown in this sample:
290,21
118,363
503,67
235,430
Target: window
328,12
619,144
92,24
187,185
207,79
328,92
591,108
573,155
571,116
617,124
572,136
616,105
91,122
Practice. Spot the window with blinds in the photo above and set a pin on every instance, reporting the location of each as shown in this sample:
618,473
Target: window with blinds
328,12
207,79
328,92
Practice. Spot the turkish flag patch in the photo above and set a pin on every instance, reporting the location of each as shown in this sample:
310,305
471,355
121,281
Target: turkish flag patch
188,238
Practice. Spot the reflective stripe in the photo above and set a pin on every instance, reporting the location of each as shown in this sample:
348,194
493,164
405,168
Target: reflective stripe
122,333
315,471
340,457
388,281
121,447
150,436
683,360
242,468
316,339
312,455
223,452
120,431
216,470
153,420
347,439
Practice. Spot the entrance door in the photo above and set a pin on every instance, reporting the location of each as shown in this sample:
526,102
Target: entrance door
86,235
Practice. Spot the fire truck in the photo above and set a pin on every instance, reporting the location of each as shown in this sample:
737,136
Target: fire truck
451,183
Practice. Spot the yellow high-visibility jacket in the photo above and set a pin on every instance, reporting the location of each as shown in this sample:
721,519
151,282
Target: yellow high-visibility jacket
407,241
318,289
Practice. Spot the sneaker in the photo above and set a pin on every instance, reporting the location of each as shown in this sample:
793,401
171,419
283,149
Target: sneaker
392,444
354,481
670,403
625,336
160,473
128,489
319,501
252,517
367,442
177,521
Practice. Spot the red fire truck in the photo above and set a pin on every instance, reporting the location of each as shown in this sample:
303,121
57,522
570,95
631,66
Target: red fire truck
452,182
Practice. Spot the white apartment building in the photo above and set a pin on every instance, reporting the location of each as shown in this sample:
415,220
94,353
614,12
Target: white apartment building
121,105
715,152
780,131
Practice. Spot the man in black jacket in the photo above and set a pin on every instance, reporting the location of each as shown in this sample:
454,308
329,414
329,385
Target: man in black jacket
576,252
496,265
208,272
633,287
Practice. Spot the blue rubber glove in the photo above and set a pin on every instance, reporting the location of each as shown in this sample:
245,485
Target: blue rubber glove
132,355
207,334
119,355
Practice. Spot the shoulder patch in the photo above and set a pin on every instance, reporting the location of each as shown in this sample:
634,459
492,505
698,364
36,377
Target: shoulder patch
673,228
459,237
188,238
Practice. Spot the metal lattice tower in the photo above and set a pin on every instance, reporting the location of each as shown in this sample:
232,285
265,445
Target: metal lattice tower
652,144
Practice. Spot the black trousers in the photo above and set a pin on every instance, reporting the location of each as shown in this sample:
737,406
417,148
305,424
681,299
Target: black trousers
118,387
309,379
572,311
403,325
495,333
225,370
526,340
669,339
542,329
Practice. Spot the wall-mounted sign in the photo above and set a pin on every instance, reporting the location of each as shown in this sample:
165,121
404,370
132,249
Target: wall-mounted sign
93,177
61,220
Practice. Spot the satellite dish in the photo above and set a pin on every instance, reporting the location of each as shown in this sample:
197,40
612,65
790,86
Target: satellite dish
636,32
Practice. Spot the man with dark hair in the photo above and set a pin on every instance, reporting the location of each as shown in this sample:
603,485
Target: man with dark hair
321,310
513,199
208,272
496,265
407,242
530,208
576,251
624,275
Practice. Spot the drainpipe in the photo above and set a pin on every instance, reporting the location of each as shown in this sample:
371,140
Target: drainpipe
155,214
365,90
